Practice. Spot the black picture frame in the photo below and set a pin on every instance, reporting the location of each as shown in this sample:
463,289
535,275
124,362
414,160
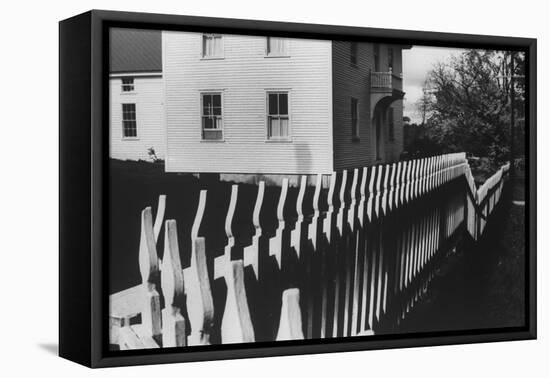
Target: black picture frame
83,122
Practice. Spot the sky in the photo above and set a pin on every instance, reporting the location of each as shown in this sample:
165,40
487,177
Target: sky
417,63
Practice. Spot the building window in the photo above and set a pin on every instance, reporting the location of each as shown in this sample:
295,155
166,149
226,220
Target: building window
277,116
129,124
354,118
390,58
211,114
127,84
353,53
378,139
277,46
390,124
212,46
376,57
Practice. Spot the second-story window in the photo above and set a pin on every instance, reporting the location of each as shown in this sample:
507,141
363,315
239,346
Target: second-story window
353,53
277,116
390,58
212,46
127,84
277,46
376,57
212,117
354,118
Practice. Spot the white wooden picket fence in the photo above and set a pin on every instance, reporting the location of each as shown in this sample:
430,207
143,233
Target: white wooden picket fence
355,264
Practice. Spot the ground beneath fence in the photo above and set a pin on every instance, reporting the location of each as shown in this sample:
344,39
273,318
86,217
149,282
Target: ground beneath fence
481,287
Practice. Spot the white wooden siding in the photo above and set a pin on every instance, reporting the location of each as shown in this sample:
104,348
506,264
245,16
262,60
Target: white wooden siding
148,97
244,75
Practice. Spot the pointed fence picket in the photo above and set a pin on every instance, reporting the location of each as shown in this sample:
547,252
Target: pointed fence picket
352,262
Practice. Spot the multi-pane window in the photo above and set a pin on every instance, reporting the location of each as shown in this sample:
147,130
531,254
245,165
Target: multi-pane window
277,115
211,113
376,57
353,53
354,118
277,46
390,124
129,124
212,46
127,84
390,59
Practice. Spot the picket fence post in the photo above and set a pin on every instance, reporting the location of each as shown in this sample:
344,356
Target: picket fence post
171,282
149,269
236,324
296,233
251,253
290,324
276,242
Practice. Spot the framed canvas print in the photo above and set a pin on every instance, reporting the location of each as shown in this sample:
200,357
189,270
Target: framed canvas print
234,188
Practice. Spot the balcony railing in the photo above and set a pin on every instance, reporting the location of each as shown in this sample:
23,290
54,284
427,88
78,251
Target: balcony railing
386,80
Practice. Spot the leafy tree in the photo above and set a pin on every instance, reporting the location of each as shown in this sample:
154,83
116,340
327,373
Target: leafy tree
466,103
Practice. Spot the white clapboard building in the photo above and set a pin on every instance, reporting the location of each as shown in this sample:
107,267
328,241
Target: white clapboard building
255,105
136,95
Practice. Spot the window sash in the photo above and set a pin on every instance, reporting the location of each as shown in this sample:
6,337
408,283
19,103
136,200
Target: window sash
353,53
278,127
376,57
277,103
277,46
129,122
127,84
211,45
211,116
378,137
278,119
354,117
390,124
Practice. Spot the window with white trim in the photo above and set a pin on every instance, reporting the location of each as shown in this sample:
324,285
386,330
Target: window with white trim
128,84
212,46
278,121
212,116
129,123
277,46
354,118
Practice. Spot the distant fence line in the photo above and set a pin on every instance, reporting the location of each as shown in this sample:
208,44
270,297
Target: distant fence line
355,262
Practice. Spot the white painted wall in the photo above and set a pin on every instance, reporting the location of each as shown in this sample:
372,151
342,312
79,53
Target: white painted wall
148,97
243,75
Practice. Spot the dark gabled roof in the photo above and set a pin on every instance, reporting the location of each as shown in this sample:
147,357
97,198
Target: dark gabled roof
135,50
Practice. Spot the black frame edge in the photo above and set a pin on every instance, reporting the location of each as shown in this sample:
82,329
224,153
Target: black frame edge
324,31
75,275
88,333
531,216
